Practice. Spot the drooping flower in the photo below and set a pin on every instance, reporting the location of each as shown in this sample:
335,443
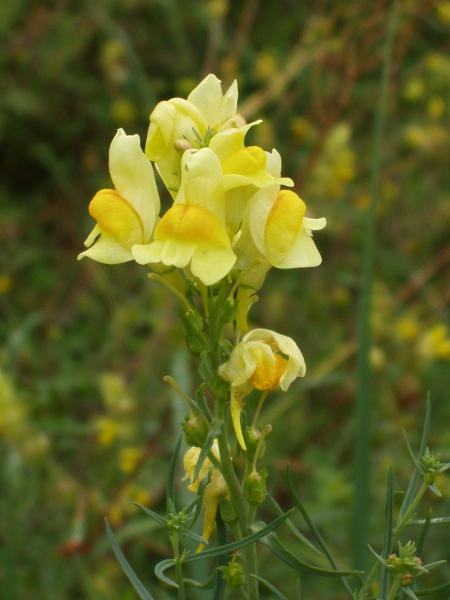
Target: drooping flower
263,360
216,488
193,231
127,215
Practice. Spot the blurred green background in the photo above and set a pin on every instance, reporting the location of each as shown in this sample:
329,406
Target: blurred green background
86,424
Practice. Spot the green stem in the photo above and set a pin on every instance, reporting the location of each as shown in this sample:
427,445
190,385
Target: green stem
409,512
240,504
178,570
393,591
364,390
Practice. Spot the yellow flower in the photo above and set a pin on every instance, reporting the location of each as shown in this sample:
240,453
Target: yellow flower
127,215
215,488
263,360
278,227
193,232
206,119
129,459
435,343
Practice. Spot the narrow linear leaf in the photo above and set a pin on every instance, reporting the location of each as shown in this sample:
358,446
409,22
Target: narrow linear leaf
159,572
271,587
215,428
423,534
389,531
193,536
213,552
408,591
273,543
436,521
153,515
276,509
206,585
202,404
410,492
314,529
171,476
134,580
434,590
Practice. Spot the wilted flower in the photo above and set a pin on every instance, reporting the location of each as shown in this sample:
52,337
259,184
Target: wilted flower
263,360
127,215
216,488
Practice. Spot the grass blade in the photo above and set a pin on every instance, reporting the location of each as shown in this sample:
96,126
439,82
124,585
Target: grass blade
384,576
363,399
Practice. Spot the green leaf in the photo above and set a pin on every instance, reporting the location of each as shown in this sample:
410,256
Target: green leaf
213,552
408,591
274,506
171,476
153,515
206,585
271,587
273,543
202,403
215,428
134,580
434,590
436,521
159,572
410,492
423,534
193,536
388,535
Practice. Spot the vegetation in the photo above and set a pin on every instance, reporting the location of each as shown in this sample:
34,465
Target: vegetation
87,425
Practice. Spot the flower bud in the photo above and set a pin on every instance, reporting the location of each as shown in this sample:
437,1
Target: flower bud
196,430
228,511
192,322
233,574
194,344
255,487
251,439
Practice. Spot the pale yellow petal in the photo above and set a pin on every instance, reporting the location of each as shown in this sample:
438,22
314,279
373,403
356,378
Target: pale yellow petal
283,225
236,407
202,181
117,217
107,250
132,174
207,97
303,253
210,264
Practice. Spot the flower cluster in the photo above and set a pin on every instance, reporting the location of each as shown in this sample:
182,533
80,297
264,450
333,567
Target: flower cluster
230,222
228,210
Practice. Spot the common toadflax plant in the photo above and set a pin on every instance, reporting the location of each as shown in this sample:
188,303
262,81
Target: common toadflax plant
233,217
